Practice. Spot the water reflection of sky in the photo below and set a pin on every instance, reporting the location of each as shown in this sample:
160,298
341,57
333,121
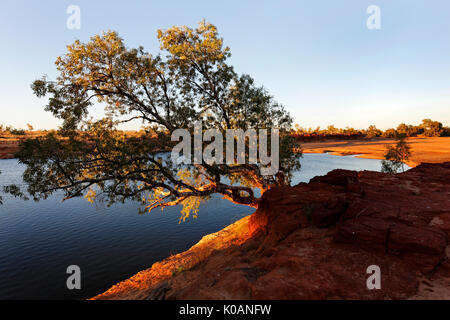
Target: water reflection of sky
39,240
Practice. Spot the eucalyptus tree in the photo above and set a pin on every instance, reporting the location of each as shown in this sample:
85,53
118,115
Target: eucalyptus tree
188,81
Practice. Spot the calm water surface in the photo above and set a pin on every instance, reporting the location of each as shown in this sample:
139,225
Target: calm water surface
39,240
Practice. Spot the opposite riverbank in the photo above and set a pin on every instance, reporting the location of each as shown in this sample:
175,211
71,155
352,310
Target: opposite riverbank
424,149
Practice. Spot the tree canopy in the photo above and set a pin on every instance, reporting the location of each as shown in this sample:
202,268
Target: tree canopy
396,156
189,80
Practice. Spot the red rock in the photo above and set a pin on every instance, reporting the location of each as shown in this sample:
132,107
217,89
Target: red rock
400,223
338,177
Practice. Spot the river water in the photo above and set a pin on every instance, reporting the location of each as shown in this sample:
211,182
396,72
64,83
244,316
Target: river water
38,241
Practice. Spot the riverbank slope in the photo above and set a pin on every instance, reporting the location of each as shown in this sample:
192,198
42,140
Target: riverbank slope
316,241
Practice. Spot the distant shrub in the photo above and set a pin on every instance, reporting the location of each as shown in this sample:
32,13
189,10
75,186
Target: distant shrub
17,132
396,156
373,132
389,133
432,128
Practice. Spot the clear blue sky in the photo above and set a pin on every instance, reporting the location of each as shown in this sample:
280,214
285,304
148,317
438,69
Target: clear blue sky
317,57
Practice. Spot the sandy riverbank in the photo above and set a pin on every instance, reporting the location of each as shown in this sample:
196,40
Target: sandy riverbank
424,150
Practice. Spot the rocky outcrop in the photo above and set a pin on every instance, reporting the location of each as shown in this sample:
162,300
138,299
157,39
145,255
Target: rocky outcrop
316,241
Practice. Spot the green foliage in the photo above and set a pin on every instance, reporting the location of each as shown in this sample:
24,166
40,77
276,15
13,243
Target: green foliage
389,133
408,130
428,128
11,130
189,80
396,156
432,128
446,132
373,132
17,132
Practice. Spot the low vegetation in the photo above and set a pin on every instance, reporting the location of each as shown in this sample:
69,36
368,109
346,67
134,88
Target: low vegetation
427,128
396,156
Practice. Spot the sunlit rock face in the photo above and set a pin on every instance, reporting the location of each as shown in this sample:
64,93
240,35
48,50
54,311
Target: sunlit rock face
316,241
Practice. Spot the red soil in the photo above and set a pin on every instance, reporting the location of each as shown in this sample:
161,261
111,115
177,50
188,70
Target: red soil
316,240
